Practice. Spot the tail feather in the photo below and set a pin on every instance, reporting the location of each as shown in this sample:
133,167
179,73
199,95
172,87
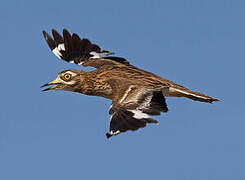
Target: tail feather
183,92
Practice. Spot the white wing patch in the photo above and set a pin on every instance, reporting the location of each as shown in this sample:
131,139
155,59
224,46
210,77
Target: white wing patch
139,114
61,47
57,52
146,102
95,55
99,55
114,133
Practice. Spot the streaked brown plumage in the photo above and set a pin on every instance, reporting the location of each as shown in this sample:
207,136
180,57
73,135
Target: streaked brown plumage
136,94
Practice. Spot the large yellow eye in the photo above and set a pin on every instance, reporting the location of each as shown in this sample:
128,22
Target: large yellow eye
67,76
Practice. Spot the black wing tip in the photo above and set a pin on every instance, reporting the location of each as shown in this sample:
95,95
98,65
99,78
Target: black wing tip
66,32
55,33
53,30
49,40
123,120
46,35
108,135
75,35
44,32
213,100
150,120
165,109
116,58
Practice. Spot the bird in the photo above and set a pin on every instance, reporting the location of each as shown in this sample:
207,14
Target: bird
136,94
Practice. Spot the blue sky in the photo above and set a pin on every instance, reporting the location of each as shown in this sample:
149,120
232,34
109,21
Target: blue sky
61,135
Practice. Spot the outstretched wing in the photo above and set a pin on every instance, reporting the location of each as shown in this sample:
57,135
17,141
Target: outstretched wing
133,108
73,49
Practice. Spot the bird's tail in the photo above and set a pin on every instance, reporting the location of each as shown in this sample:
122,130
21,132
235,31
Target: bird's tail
179,91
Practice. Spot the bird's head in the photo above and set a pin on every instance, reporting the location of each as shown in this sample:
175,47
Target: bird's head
67,80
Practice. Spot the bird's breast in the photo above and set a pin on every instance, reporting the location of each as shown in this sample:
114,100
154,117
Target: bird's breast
97,87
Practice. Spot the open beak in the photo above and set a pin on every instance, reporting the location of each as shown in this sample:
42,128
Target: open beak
54,82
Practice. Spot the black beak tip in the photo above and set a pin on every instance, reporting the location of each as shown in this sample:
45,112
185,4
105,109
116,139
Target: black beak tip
44,85
45,90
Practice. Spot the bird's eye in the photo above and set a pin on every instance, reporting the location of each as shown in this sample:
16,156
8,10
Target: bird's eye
67,76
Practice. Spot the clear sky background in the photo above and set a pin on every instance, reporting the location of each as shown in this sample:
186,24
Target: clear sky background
61,135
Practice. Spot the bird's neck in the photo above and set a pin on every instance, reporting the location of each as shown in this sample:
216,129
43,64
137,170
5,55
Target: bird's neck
93,86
